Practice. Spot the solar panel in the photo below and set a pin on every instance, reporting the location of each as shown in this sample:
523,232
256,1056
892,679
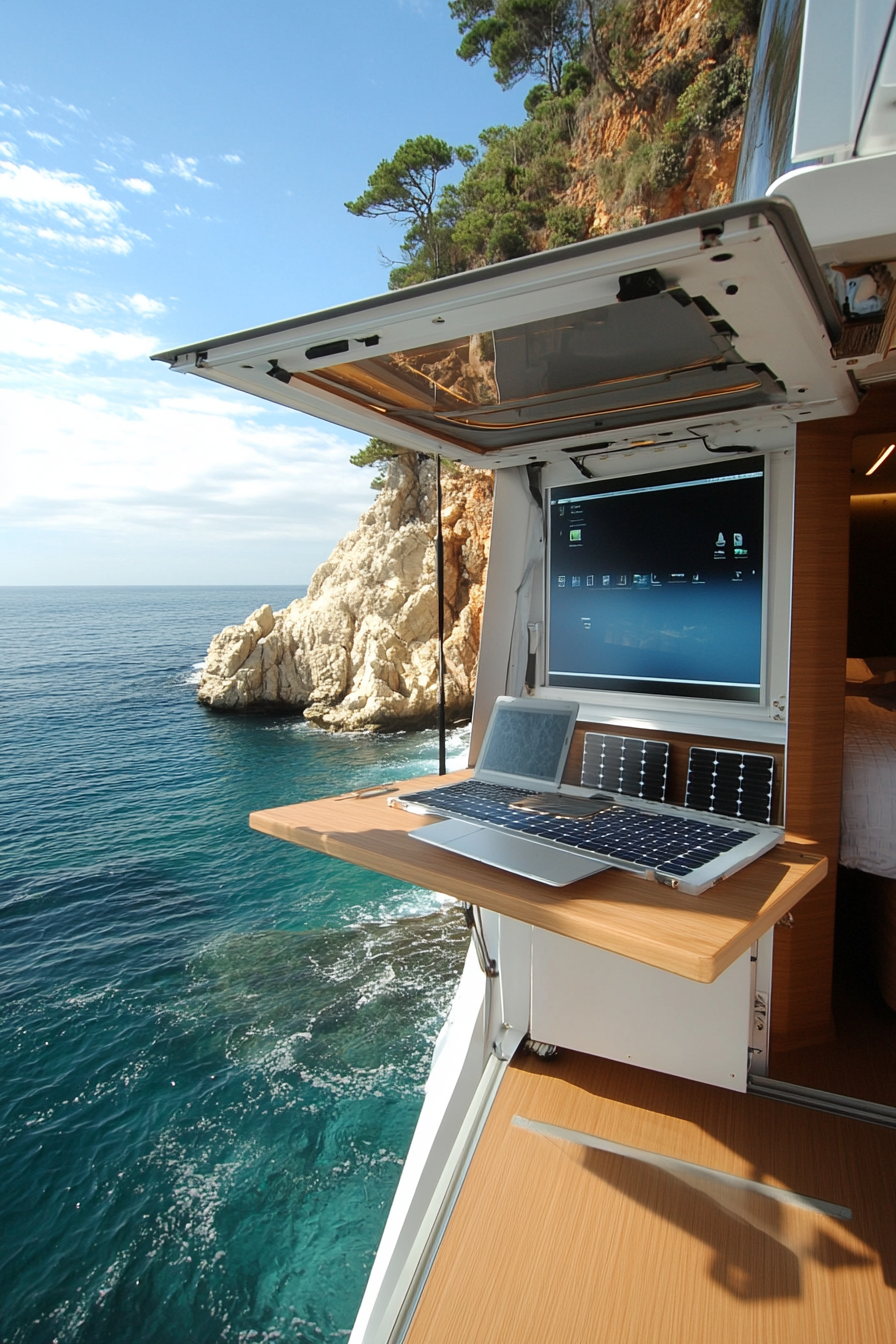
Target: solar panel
732,783
631,765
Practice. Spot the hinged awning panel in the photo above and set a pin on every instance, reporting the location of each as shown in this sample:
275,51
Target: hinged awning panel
711,315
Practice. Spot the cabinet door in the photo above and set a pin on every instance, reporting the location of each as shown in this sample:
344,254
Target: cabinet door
588,999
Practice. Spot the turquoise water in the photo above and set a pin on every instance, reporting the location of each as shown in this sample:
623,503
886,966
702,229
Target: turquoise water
212,1044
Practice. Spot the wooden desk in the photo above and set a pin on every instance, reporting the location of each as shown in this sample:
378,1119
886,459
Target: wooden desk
694,936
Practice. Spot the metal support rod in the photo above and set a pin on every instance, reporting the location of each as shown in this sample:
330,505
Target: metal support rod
440,595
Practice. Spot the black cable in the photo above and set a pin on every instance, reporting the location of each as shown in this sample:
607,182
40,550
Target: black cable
604,450
440,597
473,921
533,473
728,447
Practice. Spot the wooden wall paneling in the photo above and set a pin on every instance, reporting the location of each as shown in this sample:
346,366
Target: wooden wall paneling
803,957
679,747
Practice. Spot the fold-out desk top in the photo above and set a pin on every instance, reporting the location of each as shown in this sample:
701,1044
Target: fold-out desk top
694,936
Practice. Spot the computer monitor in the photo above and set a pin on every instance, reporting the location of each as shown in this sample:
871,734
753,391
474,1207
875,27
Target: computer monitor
655,583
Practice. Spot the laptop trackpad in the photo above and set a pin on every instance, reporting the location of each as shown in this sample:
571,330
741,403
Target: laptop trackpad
512,853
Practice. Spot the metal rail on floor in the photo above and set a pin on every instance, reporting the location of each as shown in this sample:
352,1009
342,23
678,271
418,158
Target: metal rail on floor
853,1108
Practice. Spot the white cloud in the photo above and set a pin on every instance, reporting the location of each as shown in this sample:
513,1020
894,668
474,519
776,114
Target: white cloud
179,467
231,158
145,307
138,184
70,107
156,169
10,289
118,244
63,195
84,303
89,221
185,212
44,138
186,169
53,342
7,149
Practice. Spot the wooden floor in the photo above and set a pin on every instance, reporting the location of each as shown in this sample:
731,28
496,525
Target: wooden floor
551,1242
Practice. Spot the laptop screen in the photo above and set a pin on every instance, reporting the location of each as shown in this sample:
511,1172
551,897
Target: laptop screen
528,742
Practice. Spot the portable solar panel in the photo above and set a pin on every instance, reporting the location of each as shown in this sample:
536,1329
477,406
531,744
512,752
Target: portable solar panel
732,783
631,765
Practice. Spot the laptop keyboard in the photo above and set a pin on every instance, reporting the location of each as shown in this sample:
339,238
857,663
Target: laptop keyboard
668,843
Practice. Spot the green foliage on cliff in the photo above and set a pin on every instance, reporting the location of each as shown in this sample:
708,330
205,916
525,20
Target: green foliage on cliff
404,189
509,195
378,452
375,453
691,93
585,57
521,37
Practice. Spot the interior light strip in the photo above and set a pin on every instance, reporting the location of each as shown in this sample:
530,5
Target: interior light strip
881,460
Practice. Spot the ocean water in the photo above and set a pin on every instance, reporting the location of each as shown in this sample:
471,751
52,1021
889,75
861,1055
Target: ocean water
212,1044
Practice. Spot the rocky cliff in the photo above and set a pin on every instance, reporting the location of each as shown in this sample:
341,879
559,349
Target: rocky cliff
667,143
359,650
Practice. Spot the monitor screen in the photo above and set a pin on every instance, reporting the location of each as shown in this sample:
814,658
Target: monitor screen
655,583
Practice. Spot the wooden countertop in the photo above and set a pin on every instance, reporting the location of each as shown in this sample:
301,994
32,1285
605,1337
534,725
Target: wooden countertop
694,936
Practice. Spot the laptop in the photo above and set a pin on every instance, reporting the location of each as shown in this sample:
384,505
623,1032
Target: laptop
523,755
562,833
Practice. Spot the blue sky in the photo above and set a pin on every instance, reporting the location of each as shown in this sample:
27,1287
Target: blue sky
171,174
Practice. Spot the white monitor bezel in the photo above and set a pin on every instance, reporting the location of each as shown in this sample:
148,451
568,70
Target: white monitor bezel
765,721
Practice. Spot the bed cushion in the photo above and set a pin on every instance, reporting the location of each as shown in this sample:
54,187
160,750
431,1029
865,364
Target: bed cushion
868,807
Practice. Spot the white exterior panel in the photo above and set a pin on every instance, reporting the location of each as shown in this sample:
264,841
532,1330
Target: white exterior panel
587,999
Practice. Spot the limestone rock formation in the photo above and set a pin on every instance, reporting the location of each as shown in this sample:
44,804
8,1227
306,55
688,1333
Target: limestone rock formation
359,651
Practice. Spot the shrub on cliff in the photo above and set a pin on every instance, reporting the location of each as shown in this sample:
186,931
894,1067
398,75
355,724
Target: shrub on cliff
405,189
657,103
